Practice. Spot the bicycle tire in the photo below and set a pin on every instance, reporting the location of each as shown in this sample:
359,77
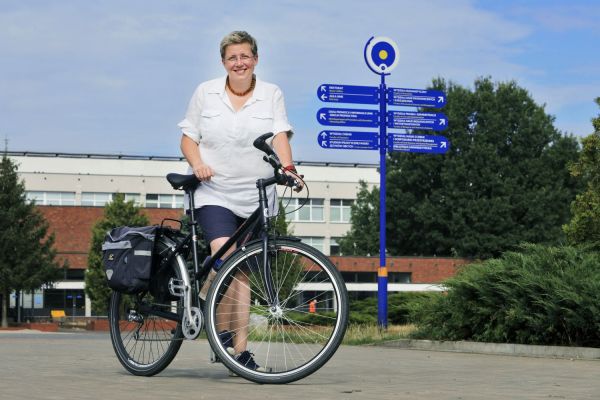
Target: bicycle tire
290,342
145,347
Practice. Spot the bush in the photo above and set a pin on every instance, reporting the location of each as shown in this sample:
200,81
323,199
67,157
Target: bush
541,295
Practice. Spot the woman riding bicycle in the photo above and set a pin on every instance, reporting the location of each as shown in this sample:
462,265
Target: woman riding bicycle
223,118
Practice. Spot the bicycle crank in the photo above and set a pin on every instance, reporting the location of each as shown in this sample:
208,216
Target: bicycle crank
191,328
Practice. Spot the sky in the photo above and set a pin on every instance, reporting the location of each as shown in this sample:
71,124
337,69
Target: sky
115,77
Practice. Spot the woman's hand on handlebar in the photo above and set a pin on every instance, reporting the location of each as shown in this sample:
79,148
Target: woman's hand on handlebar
295,180
203,171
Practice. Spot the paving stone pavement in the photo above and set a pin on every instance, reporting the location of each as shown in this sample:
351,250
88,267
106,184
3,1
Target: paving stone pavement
83,366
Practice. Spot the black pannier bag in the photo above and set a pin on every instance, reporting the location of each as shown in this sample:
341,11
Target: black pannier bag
127,258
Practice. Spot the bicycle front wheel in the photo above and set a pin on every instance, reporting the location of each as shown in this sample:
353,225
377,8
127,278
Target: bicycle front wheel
145,329
287,341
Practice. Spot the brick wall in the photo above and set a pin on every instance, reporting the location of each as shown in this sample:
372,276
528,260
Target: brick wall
72,227
422,269
73,230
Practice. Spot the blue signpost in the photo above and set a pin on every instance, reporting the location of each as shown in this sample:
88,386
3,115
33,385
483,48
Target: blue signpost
348,140
381,56
418,143
348,117
416,97
417,120
348,94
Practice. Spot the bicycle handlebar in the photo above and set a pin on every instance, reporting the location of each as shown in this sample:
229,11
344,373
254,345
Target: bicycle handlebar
282,179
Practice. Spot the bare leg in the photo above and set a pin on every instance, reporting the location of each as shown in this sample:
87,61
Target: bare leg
241,312
226,306
233,313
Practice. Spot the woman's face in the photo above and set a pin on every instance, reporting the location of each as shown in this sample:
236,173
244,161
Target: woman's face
239,62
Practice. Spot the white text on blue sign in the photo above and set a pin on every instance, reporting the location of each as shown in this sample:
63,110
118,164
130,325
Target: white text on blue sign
348,117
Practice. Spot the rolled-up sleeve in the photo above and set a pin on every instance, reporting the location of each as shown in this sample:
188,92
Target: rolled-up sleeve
190,125
280,120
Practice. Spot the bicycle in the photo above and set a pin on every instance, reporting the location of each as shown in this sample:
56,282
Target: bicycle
282,275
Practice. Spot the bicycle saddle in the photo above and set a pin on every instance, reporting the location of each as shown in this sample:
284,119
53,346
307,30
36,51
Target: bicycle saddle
185,182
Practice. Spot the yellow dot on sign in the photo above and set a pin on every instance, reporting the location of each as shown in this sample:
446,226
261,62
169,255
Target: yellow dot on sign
383,54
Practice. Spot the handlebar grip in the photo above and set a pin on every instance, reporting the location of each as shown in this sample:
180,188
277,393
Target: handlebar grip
261,144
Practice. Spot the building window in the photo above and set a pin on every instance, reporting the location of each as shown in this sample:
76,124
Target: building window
340,210
311,211
316,242
334,247
359,277
154,200
135,197
100,199
399,277
51,198
95,199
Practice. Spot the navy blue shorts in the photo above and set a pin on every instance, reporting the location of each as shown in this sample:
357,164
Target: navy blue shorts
217,221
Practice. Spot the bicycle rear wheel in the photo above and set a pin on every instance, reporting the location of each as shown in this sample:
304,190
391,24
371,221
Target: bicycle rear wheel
145,329
287,342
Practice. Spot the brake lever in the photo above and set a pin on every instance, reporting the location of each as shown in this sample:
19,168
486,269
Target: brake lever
273,160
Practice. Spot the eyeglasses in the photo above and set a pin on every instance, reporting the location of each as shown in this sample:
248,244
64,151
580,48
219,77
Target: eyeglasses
243,58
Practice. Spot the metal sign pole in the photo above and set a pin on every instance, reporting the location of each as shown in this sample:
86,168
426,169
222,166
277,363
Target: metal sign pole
382,276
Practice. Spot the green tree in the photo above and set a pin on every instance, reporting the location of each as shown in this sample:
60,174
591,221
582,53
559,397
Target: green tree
116,213
584,227
27,256
363,237
504,181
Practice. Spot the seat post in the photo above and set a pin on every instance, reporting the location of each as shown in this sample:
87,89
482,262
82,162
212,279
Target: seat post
194,229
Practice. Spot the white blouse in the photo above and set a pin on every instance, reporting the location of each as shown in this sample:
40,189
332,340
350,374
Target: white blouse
225,138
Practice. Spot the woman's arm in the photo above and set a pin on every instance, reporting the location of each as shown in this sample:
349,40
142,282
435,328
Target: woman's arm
191,152
282,147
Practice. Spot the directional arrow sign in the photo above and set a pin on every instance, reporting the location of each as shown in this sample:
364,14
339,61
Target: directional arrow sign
348,140
416,97
348,117
418,143
348,94
417,120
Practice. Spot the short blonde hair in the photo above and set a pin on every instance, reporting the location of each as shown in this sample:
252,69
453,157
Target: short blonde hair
238,37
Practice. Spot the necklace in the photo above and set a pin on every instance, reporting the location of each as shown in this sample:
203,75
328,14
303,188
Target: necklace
245,92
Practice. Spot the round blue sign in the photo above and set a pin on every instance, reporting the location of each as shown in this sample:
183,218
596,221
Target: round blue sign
381,54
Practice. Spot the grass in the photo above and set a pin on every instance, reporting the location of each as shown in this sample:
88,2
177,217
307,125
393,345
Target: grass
356,334
370,334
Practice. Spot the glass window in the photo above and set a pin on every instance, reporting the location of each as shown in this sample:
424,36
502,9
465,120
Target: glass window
340,210
135,197
316,242
359,277
164,200
334,247
95,199
51,198
311,211
152,200
38,197
399,277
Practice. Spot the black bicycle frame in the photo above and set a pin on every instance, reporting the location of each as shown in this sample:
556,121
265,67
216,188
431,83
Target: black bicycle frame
260,215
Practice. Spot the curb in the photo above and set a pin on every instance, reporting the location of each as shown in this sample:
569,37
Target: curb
504,349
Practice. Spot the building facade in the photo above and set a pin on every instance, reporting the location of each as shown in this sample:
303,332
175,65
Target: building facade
71,190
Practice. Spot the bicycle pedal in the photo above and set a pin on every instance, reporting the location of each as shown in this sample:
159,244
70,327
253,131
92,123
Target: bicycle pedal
176,287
